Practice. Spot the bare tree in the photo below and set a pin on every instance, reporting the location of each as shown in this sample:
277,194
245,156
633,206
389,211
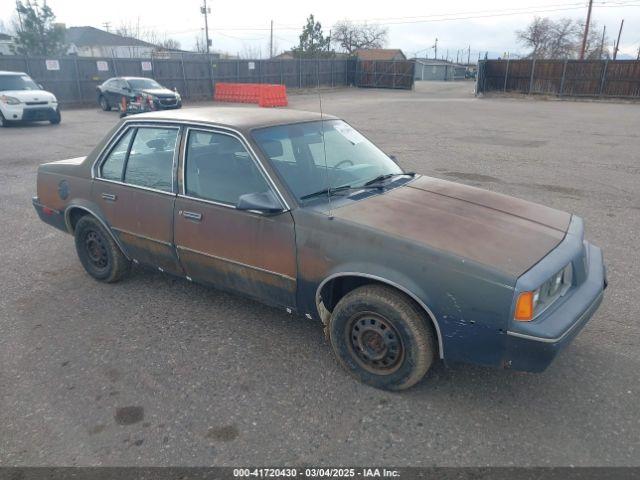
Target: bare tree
564,39
251,52
536,36
200,44
350,36
561,39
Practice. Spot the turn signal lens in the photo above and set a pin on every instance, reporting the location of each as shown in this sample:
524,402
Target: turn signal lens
524,307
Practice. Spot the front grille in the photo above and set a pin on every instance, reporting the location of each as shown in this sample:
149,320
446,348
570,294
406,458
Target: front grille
36,103
168,101
35,114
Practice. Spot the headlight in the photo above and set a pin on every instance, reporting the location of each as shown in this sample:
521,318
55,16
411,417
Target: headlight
531,304
9,100
178,97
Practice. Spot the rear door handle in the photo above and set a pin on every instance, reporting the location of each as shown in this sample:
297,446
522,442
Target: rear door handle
195,216
109,196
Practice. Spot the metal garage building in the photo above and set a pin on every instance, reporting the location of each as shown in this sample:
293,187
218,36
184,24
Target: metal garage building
438,70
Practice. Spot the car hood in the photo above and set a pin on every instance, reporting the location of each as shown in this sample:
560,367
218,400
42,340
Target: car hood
496,230
30,95
162,92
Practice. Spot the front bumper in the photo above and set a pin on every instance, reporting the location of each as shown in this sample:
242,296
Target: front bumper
26,113
531,346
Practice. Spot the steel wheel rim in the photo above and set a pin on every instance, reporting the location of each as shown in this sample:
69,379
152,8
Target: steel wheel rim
96,249
374,343
103,103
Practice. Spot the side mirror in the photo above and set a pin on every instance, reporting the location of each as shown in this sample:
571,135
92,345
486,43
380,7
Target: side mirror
264,202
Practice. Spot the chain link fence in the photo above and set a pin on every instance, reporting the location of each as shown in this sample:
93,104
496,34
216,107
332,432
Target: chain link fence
74,79
570,78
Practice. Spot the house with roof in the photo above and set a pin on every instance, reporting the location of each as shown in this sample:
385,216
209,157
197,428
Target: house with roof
6,44
93,42
379,54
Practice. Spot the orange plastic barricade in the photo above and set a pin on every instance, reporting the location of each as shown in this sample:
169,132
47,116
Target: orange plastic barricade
273,96
263,95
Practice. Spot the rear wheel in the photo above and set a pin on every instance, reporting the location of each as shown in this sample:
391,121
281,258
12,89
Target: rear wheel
104,103
98,252
381,337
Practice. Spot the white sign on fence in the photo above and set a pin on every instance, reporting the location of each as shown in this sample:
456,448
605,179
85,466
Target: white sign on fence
252,66
147,67
52,64
102,66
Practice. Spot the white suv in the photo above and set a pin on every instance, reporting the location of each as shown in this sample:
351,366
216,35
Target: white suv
22,99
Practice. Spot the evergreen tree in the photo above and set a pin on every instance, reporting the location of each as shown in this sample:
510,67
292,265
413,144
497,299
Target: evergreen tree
37,33
313,43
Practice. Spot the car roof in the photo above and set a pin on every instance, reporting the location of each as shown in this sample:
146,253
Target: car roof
243,118
3,72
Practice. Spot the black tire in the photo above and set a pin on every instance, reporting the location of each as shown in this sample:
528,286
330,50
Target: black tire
56,118
98,252
382,337
3,122
104,103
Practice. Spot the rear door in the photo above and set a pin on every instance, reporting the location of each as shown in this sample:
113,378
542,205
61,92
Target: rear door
135,188
243,251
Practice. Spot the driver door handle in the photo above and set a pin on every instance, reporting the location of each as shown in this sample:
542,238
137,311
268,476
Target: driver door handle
109,196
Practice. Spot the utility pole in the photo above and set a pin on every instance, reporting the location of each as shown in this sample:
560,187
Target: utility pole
615,51
604,31
469,56
435,50
638,57
106,25
271,41
586,31
204,10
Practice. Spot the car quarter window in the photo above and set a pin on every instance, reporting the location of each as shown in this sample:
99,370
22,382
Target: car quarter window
219,168
113,164
150,160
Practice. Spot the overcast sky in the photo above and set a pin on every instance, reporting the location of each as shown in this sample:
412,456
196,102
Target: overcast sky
242,26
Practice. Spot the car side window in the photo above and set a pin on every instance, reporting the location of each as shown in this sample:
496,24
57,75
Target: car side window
112,167
150,161
219,168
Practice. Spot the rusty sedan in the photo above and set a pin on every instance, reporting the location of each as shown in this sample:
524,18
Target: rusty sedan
302,212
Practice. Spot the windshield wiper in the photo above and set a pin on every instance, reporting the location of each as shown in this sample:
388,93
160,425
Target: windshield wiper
333,190
381,178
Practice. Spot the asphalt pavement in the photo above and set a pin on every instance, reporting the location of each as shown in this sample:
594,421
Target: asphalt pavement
157,371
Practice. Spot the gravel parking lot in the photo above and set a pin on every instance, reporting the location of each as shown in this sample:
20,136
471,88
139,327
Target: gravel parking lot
157,371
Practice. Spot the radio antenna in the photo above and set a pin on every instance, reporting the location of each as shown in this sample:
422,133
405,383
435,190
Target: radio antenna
324,147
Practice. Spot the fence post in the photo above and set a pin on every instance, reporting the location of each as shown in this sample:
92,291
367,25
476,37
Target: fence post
604,76
78,78
393,75
26,66
346,72
238,71
210,73
300,72
564,73
281,73
115,65
533,68
184,77
506,75
332,83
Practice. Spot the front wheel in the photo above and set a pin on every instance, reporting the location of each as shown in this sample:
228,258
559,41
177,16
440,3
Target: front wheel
3,122
98,252
56,118
382,338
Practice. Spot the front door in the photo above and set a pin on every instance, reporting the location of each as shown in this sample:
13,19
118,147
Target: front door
243,251
134,187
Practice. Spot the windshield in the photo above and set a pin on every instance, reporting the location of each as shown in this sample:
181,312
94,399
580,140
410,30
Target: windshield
297,152
141,83
17,82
